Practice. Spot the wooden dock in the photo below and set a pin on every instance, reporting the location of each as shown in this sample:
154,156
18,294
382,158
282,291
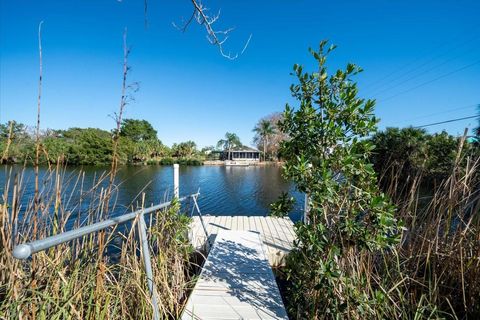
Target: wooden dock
236,281
276,233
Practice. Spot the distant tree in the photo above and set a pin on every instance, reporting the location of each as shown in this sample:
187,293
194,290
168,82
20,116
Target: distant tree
399,150
263,131
231,141
272,144
207,149
9,133
89,146
138,130
184,149
141,151
400,155
56,149
441,150
156,148
16,143
17,129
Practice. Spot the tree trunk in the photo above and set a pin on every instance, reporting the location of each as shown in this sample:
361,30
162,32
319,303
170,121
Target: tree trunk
264,150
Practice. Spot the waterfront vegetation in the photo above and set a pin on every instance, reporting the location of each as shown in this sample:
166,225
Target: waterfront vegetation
399,238
84,279
393,229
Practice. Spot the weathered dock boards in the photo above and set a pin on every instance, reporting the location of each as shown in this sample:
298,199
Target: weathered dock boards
276,233
236,282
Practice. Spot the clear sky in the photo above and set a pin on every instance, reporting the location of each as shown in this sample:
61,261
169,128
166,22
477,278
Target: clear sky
421,61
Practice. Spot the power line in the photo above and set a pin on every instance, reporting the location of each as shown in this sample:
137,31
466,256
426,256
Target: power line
442,112
447,121
411,64
432,80
426,71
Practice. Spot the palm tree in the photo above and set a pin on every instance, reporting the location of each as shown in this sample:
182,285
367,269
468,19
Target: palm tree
231,141
264,129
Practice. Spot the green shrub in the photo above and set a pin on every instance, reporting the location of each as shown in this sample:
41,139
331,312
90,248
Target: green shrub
166,162
283,206
327,158
194,162
181,161
152,162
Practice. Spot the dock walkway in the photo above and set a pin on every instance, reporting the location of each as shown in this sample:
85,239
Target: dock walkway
277,234
236,281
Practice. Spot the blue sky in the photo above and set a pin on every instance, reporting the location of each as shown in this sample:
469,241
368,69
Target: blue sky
421,61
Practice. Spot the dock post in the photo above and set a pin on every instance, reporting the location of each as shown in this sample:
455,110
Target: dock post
176,186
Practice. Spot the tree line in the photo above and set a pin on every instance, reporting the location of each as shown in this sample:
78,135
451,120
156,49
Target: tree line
138,143
417,150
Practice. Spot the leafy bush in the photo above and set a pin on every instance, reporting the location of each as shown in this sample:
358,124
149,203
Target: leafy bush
327,158
188,162
152,162
167,161
181,161
283,206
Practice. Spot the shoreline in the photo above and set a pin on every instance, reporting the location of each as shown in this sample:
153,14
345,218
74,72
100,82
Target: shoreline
138,164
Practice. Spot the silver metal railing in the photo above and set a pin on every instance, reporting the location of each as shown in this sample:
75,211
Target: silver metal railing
25,250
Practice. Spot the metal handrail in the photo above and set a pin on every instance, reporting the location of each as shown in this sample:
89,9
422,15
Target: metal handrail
25,250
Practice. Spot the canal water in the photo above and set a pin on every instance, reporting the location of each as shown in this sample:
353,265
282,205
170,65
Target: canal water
224,190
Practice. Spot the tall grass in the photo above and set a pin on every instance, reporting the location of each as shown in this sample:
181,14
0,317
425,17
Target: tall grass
435,272
63,281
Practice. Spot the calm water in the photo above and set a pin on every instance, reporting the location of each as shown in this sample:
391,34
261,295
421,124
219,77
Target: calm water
224,190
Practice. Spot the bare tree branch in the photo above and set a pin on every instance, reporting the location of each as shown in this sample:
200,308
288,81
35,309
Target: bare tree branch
215,37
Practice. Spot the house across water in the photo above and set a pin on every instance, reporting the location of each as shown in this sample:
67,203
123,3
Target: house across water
238,156
241,156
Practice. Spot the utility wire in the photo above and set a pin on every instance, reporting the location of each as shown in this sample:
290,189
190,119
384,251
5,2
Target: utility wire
381,82
432,80
441,112
447,121
426,71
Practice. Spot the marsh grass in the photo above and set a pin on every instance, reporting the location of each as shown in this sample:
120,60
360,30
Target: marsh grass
79,280
435,272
